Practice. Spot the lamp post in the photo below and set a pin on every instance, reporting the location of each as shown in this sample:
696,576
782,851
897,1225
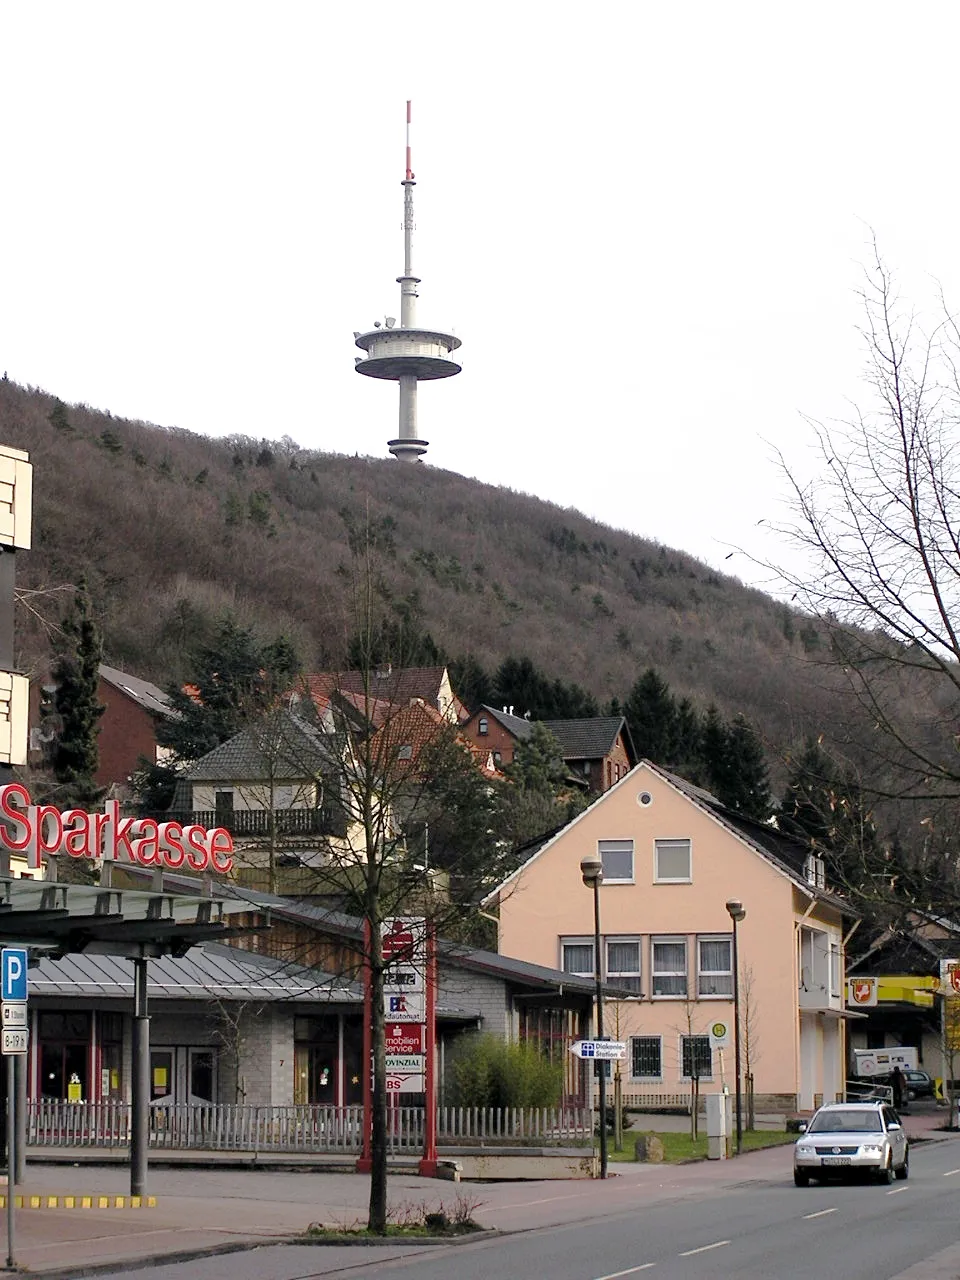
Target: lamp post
736,912
591,868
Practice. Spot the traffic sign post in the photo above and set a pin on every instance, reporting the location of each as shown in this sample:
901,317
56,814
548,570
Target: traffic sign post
13,1041
13,975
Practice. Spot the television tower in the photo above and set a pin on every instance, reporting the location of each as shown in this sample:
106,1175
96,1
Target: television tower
407,354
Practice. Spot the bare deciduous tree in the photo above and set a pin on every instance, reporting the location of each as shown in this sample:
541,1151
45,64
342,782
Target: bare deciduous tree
879,527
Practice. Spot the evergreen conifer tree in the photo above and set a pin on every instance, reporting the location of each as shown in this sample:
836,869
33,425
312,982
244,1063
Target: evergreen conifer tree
77,676
746,780
715,748
651,714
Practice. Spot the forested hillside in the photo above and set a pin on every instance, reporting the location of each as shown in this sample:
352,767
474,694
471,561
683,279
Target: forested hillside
172,530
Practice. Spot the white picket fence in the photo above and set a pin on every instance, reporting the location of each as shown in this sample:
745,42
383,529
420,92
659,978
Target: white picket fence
319,1129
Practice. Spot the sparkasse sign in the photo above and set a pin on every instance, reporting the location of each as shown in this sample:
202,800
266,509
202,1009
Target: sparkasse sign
35,830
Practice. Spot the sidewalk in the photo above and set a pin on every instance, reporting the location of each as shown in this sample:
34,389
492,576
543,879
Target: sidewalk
215,1209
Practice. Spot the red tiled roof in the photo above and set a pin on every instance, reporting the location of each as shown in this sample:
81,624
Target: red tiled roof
384,693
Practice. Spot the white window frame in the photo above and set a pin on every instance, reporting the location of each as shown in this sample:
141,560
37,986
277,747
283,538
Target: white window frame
654,972
815,871
693,1035
707,974
835,969
664,840
577,940
631,879
483,726
659,1040
615,976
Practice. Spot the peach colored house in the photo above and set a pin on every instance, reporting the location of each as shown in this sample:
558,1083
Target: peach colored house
672,857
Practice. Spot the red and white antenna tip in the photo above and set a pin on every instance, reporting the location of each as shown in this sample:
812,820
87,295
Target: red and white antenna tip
409,177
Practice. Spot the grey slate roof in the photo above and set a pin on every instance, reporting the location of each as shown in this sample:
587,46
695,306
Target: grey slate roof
587,739
590,739
209,972
148,695
286,747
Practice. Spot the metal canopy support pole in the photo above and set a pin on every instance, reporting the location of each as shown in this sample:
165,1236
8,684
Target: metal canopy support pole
140,1093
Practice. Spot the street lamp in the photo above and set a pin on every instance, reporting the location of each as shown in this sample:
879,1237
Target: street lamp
591,868
736,912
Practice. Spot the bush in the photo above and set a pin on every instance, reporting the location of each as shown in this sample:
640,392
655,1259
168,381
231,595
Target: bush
490,1072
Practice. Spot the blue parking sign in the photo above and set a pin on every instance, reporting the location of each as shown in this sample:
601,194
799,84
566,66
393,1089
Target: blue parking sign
13,975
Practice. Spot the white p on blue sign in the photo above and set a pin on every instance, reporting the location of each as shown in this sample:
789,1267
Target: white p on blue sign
13,974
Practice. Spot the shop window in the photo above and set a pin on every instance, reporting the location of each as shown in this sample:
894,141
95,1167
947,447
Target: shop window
64,1054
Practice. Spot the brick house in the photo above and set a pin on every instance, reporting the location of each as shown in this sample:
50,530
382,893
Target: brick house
127,731
598,750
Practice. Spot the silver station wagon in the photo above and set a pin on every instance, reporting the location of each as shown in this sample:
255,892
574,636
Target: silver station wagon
846,1138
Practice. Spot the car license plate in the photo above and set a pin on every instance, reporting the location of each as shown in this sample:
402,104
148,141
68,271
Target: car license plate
835,1160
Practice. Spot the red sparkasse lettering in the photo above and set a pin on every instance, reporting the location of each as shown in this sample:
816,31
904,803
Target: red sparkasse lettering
197,845
171,843
221,841
123,831
76,834
48,813
11,792
147,848
36,830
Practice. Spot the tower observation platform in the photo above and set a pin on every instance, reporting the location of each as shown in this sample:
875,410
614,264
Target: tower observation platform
405,353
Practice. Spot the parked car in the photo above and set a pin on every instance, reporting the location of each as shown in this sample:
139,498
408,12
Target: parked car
845,1138
919,1084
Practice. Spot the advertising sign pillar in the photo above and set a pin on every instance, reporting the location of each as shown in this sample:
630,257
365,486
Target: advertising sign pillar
428,1164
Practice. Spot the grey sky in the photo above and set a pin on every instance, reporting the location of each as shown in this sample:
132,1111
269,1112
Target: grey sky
645,221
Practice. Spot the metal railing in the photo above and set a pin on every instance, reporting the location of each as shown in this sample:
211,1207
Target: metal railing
867,1091
316,1129
259,822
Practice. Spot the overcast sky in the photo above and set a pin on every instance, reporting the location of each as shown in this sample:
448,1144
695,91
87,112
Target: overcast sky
646,222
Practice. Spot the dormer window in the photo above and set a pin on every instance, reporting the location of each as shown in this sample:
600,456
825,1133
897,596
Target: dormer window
483,726
405,752
815,872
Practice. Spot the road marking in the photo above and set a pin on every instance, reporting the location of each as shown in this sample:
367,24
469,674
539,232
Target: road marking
629,1271
896,1191
718,1244
951,1172
822,1214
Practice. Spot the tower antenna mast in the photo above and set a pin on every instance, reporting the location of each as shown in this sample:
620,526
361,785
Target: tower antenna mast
408,354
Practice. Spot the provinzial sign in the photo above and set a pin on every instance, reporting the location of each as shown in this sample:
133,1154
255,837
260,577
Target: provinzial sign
862,992
36,830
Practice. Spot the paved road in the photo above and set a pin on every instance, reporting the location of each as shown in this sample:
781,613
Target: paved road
761,1228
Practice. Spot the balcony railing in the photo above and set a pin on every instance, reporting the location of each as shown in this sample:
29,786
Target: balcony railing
319,1129
260,822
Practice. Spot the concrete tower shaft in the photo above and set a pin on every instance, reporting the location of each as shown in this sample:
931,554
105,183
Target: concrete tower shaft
408,354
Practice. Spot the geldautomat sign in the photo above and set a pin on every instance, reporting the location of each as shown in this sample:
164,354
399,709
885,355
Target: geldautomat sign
36,830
